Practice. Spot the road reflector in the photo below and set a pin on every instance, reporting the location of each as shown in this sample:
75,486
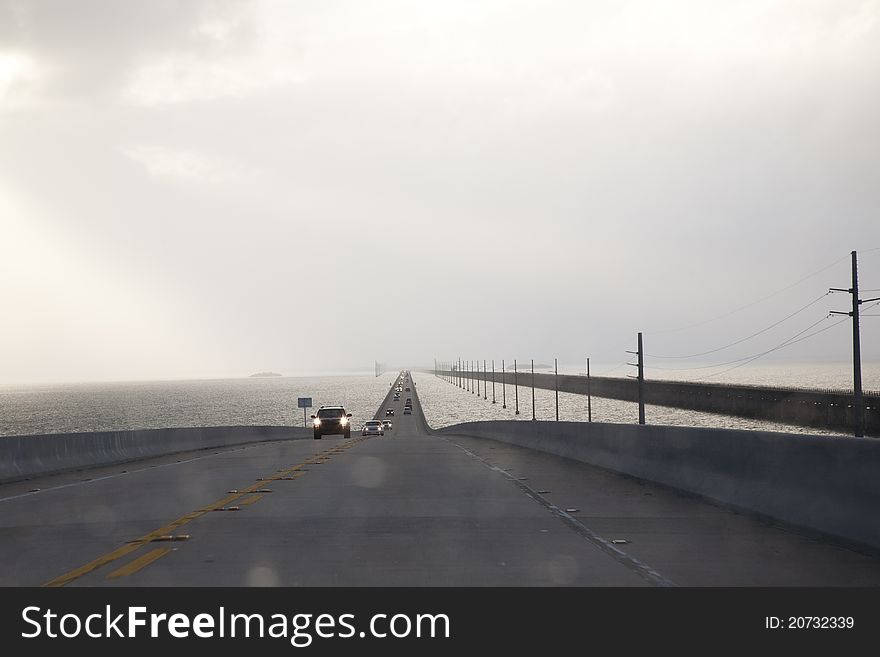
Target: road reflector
35,490
263,490
234,490
542,492
619,541
572,510
232,508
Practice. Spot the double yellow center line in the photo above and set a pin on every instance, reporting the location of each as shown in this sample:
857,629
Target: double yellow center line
143,561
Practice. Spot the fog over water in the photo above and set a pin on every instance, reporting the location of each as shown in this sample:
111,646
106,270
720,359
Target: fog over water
212,188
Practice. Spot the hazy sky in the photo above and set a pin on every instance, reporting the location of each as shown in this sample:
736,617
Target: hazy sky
217,188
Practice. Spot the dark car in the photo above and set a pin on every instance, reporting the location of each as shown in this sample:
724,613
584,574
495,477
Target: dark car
331,420
389,412
407,410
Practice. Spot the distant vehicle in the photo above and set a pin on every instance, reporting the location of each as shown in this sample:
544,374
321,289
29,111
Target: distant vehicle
331,420
389,412
407,388
386,424
407,410
373,428
409,400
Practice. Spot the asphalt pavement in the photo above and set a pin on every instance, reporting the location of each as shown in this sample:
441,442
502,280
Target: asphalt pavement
404,509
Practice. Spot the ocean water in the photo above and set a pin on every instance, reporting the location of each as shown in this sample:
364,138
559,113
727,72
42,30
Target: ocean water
36,409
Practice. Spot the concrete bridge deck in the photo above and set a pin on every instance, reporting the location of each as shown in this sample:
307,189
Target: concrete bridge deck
405,509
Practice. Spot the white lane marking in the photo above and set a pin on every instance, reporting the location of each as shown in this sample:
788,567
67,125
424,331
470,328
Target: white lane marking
640,568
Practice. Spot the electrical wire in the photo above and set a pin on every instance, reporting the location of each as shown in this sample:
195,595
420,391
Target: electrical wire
744,358
778,347
791,341
753,303
613,369
733,344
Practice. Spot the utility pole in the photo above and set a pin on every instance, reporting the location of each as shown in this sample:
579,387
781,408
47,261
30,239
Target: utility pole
533,389
515,388
556,385
858,397
485,396
589,396
641,377
493,380
503,385
477,370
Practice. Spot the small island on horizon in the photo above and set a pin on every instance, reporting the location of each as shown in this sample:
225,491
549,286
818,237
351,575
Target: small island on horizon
264,374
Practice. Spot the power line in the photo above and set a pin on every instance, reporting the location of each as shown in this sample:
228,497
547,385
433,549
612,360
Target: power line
763,330
739,360
776,348
607,372
753,303
787,343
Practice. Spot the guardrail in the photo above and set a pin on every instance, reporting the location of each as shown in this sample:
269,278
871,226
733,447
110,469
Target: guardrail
23,457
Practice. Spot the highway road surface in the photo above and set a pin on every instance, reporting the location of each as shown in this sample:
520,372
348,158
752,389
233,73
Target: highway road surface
407,508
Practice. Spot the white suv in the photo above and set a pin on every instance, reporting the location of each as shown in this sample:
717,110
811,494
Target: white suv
373,428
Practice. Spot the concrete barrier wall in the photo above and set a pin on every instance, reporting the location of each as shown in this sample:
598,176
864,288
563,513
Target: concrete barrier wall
829,484
825,409
22,457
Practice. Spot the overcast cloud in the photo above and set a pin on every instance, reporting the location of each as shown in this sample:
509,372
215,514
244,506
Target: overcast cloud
215,188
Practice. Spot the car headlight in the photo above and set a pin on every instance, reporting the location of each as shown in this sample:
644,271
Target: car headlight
343,420
317,422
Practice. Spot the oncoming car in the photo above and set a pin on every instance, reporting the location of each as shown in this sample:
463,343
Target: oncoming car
373,428
331,420
386,425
